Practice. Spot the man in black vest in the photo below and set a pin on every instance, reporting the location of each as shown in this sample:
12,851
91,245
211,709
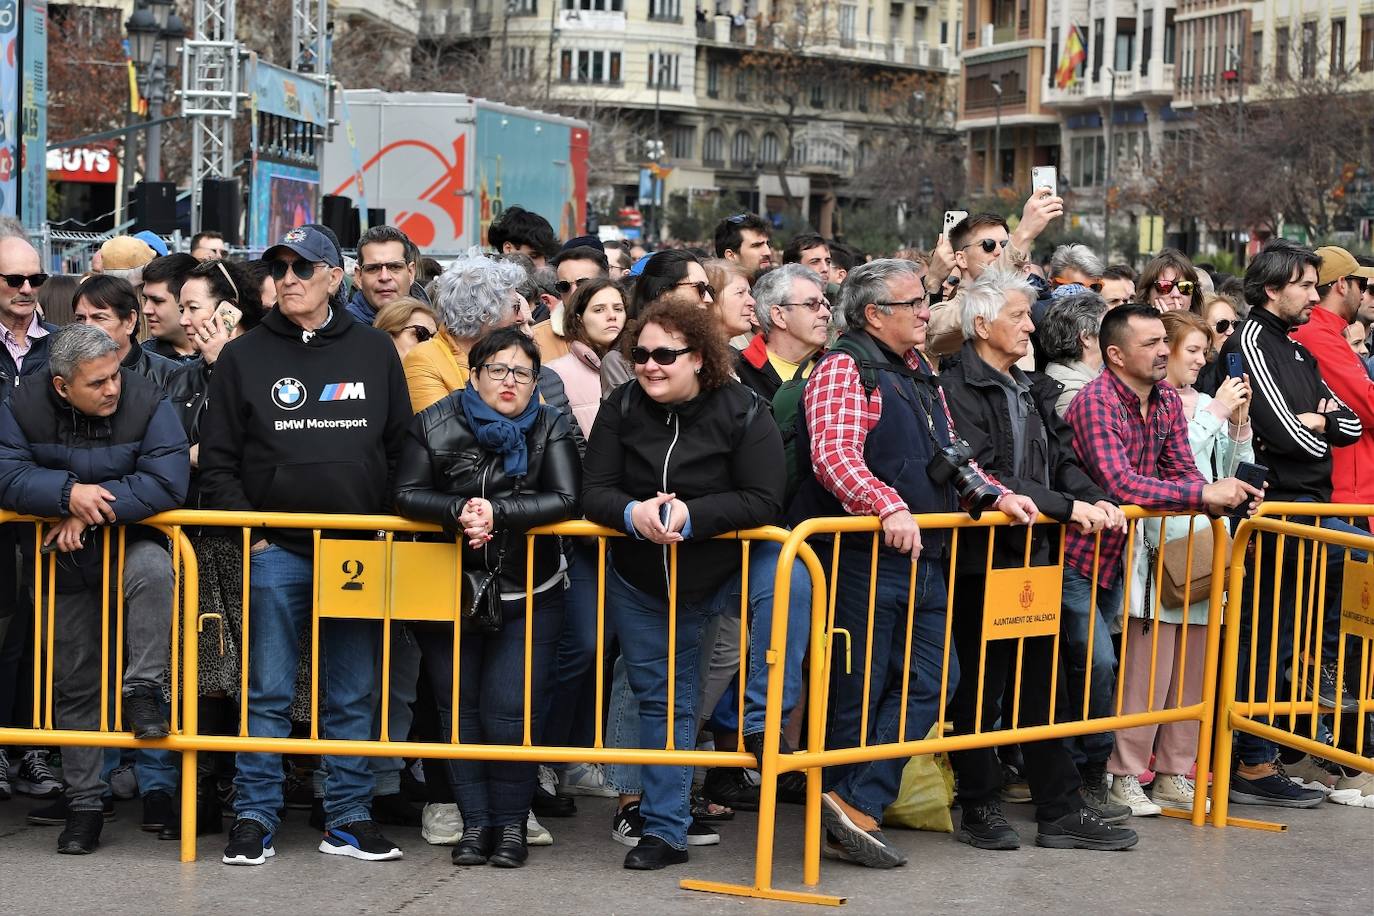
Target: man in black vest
882,443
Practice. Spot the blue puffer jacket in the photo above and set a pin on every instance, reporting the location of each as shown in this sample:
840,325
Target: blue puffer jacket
140,454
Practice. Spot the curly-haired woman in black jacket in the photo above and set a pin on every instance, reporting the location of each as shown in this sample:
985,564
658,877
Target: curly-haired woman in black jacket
489,462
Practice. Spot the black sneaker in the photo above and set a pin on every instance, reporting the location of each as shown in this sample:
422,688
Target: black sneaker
1273,788
1082,829
698,834
653,853
82,833
250,843
1094,793
143,714
512,850
360,840
791,785
1326,690
627,827
730,787
984,827
551,804
395,811
158,811
55,813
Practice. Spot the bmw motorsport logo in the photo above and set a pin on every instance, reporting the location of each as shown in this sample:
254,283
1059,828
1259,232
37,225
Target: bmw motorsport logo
288,393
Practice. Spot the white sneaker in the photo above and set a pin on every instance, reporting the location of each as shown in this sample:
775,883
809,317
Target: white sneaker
441,824
536,834
1125,790
586,779
1172,790
1356,791
548,779
123,782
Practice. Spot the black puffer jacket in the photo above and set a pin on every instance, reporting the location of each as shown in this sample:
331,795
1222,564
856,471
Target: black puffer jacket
720,452
1051,474
442,466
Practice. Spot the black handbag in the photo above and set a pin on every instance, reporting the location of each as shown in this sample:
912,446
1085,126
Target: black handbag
480,609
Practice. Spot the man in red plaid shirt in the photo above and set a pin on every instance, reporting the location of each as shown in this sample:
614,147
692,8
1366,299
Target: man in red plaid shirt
1131,434
874,420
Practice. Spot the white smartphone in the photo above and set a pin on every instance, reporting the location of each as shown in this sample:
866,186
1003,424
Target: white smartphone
1045,176
952,219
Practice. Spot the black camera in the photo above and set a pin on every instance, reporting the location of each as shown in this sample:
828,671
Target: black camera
953,464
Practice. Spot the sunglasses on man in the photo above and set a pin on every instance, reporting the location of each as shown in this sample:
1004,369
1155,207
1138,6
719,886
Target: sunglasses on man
303,270
566,286
15,281
988,245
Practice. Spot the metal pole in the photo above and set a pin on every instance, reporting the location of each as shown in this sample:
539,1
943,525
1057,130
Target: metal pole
1107,189
997,135
157,82
658,139
548,63
130,154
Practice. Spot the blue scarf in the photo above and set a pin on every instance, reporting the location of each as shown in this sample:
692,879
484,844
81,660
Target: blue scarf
500,434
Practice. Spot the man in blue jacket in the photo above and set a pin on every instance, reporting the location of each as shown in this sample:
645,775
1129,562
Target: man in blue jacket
97,447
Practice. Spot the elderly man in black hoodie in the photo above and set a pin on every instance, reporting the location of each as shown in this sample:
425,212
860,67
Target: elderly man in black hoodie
1009,421
307,414
98,445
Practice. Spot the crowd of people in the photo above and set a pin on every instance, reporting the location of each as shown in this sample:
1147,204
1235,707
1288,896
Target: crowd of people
672,395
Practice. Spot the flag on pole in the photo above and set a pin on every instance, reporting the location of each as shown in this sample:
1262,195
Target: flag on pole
1074,55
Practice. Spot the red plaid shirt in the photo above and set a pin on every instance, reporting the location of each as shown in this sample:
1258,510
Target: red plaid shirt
839,418
1140,461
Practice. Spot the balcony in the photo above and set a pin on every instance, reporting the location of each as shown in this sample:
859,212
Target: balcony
400,15
1127,85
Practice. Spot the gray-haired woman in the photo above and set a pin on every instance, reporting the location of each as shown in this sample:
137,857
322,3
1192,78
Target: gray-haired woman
1068,334
473,296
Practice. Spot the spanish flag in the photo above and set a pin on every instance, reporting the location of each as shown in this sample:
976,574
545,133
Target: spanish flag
1074,55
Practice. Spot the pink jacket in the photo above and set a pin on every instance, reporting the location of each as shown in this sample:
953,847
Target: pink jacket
581,374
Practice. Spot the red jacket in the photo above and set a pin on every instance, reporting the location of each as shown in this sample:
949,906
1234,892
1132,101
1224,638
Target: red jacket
1352,467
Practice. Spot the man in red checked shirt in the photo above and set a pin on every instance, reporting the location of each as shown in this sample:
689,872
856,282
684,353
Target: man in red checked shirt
1131,434
875,423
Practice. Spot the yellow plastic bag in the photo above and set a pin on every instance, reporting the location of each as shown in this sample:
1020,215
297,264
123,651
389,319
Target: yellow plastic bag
925,797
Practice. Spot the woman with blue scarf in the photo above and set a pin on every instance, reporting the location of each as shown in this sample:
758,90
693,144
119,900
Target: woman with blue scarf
488,462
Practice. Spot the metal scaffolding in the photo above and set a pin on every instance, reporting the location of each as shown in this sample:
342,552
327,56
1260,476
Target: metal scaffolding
210,95
309,36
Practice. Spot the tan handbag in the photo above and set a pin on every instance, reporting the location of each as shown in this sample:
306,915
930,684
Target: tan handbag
1178,574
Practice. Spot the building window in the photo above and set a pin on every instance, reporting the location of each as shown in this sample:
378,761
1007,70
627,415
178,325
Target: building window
1089,158
865,154
1053,63
713,78
583,66
770,150
1366,44
1309,50
523,7
713,151
742,85
742,149
519,61
601,6
1147,42
1281,54
849,15
1257,54
817,95
1168,36
1337,46
684,141
663,70
1099,30
1123,57
665,9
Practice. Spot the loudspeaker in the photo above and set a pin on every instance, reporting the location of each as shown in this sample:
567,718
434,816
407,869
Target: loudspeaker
153,205
221,207
376,216
337,212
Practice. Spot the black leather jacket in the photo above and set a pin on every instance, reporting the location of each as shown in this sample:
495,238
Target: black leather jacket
185,384
442,466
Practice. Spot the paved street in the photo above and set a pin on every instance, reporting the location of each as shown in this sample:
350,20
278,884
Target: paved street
1323,864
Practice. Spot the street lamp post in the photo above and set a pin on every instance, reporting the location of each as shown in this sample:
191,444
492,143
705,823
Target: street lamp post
997,134
155,35
1107,186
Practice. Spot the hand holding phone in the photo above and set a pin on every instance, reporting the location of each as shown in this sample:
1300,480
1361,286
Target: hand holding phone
1255,475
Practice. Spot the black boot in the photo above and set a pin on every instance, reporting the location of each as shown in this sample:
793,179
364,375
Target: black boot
511,849
82,833
209,811
475,845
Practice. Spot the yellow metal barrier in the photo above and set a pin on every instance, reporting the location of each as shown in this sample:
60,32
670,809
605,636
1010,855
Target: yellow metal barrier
1299,555
824,655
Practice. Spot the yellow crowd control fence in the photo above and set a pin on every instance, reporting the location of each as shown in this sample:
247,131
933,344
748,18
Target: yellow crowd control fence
1021,603
1302,582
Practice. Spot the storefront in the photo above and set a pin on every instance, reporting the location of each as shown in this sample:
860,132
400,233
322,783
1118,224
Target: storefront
82,182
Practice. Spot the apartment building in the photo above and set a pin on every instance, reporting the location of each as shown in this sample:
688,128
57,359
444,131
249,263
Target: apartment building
724,84
1002,93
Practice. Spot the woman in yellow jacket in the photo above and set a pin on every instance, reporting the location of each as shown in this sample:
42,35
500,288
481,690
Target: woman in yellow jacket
473,296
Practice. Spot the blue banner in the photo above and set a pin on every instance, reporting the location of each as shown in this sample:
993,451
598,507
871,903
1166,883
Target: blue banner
34,161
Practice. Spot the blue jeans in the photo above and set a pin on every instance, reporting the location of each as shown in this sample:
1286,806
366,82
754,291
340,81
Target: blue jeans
491,703
763,565
402,687
571,715
1258,624
641,621
622,729
874,785
1077,602
280,592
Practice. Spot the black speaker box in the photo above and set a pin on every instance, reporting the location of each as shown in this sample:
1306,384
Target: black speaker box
153,205
221,208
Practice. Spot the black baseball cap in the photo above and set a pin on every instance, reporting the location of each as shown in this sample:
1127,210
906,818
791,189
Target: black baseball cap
308,243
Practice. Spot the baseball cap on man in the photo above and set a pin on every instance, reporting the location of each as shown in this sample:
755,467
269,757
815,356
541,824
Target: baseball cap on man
308,243
1338,263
